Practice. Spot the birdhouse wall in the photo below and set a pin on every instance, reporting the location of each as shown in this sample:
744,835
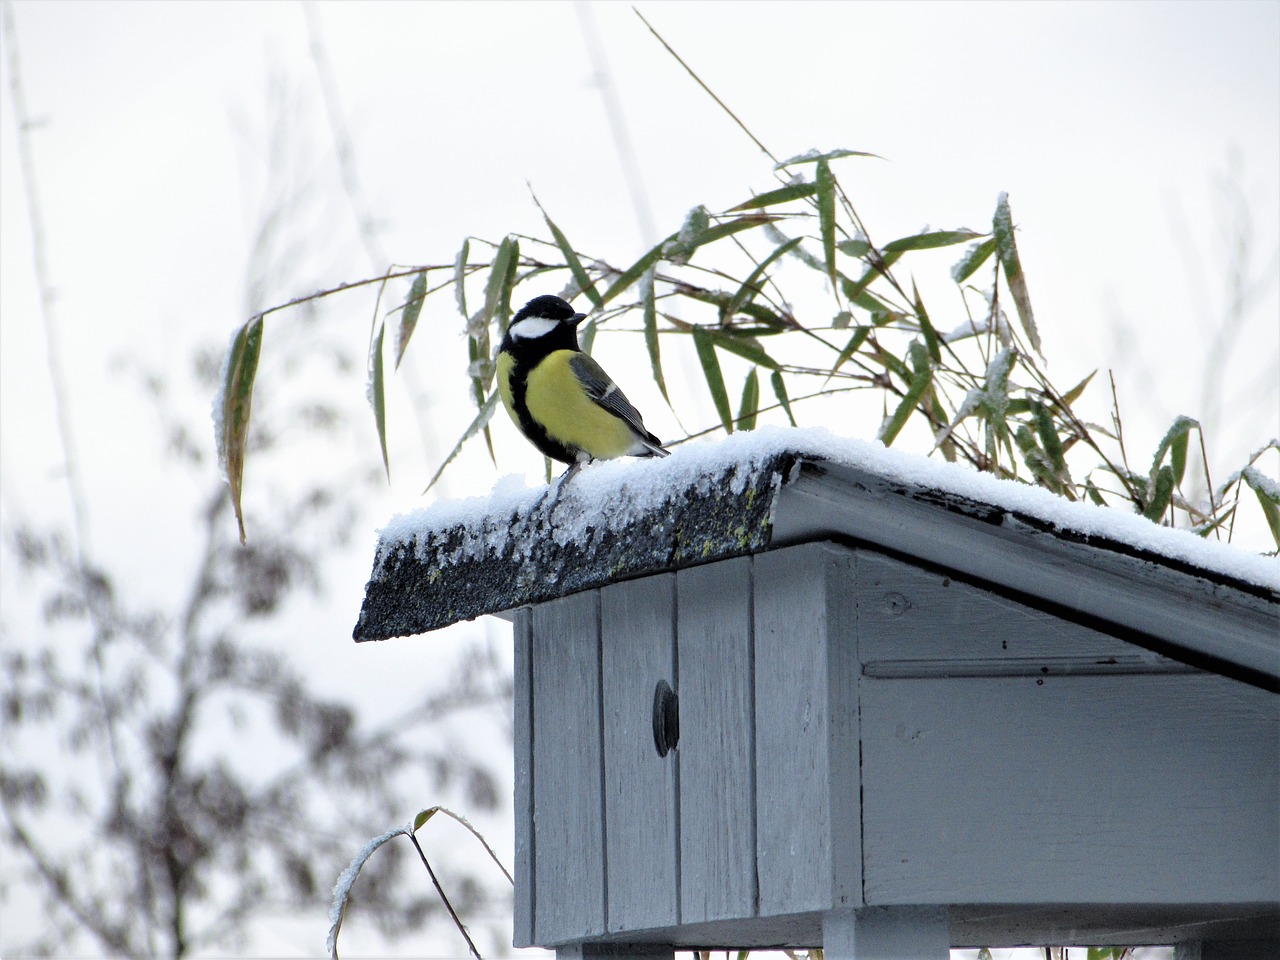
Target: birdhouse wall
858,731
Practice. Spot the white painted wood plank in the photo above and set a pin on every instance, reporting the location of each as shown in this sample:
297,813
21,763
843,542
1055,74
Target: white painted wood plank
638,646
716,751
886,933
522,731
1133,789
807,847
569,889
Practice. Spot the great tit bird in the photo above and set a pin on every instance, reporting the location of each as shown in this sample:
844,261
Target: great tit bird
559,397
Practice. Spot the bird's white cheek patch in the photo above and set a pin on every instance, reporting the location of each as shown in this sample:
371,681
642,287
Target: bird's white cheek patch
531,328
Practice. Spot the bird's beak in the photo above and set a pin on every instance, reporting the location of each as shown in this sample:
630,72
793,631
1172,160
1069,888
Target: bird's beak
576,319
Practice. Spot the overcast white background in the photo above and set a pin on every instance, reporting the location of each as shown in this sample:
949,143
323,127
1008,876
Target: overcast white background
1113,127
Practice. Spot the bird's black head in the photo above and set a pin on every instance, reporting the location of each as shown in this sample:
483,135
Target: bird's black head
542,325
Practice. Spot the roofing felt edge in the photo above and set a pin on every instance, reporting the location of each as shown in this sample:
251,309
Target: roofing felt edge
460,559
435,578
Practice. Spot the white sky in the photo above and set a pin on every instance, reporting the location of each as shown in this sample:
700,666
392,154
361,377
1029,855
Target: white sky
1107,123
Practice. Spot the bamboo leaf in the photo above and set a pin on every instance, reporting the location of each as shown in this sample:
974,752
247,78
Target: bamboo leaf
854,248
1268,493
929,241
236,404
750,405
1051,443
813,156
570,255
651,335
460,277
859,337
743,345
827,218
1174,442
921,379
634,272
974,257
1007,249
706,350
377,396
409,315
926,327
497,290
749,286
792,191
1072,395
1161,494
480,422
780,391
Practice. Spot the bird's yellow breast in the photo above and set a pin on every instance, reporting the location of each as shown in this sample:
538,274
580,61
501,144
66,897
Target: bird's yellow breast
557,401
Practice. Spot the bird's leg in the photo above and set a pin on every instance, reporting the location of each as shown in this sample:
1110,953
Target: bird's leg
562,482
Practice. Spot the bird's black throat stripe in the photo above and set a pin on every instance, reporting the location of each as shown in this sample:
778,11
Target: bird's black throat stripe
537,434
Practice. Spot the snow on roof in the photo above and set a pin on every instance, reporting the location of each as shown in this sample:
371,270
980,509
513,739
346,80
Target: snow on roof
611,495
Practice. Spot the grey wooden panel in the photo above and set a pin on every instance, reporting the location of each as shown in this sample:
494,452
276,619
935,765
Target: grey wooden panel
909,616
1201,619
807,823
522,729
568,833
1132,789
716,751
887,933
637,626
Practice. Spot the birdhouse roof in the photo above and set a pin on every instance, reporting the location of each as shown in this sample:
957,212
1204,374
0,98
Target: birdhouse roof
1169,590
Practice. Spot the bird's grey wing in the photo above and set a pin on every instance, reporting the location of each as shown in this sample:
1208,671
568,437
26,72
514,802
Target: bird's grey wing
605,392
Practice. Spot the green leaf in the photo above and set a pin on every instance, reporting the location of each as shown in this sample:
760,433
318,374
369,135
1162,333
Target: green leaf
1093,493
580,275
744,345
480,422
1174,442
651,335
780,391
930,241
921,379
814,157
237,401
409,315
792,191
481,377
728,228
827,218
749,288
854,289
423,816
800,253
702,343
1051,442
1268,493
377,396
634,272
1072,395
859,337
841,320
1007,249
497,291
750,405
1161,494
926,327
460,276
854,248
973,258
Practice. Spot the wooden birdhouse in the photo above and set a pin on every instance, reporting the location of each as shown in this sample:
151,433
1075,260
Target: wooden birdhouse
817,694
